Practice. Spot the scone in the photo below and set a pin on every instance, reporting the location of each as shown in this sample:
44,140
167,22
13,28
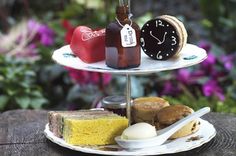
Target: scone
145,109
171,114
163,37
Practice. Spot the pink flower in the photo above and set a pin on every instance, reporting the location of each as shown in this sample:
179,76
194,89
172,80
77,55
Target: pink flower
86,77
170,88
205,45
210,61
228,61
212,88
43,33
184,76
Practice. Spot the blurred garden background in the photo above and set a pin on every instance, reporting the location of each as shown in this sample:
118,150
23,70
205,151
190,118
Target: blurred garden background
31,30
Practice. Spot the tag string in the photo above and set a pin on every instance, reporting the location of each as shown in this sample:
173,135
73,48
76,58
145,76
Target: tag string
131,22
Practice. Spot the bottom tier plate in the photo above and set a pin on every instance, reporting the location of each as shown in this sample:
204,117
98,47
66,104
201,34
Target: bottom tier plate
202,136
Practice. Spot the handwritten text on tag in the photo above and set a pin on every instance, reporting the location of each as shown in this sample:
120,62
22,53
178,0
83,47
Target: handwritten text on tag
128,36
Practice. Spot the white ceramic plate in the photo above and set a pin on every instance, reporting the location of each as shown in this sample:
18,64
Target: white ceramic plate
190,55
205,134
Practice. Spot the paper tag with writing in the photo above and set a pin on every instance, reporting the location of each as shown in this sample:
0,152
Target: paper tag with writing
128,36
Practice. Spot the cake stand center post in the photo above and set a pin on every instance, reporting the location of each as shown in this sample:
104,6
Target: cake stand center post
128,97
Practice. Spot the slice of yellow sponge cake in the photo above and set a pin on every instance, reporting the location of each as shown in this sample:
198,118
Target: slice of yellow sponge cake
56,118
93,129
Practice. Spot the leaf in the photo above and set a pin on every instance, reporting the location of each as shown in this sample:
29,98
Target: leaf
23,101
30,73
3,101
36,93
37,103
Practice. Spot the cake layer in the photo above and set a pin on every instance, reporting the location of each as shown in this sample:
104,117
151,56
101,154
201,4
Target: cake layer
93,130
56,118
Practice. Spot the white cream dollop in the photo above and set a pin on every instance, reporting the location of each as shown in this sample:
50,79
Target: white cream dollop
140,130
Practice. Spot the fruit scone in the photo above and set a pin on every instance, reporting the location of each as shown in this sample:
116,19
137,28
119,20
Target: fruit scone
171,114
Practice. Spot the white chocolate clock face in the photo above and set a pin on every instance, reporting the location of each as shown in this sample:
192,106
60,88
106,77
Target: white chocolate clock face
159,39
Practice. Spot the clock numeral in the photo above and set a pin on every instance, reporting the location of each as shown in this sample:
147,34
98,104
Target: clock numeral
142,42
159,56
159,23
173,40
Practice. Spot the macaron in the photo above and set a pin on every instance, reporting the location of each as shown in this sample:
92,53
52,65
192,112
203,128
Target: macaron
183,35
163,37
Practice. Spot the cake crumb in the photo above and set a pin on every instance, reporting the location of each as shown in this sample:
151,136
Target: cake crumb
194,138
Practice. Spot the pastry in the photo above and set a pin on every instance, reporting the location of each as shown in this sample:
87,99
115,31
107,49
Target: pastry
88,45
171,114
93,129
145,109
163,37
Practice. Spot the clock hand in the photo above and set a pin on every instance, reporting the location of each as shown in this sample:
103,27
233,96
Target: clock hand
164,38
159,41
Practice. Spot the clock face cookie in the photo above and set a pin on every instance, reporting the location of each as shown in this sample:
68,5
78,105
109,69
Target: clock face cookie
161,38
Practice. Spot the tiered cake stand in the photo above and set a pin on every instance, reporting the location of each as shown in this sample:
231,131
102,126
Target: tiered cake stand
190,55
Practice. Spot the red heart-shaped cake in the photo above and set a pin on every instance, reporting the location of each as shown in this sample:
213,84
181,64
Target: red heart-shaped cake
88,45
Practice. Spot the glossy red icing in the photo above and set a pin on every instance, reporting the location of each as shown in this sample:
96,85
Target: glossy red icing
88,45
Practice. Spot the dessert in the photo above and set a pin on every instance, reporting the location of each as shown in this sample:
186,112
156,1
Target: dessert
93,130
87,127
88,45
54,122
56,119
140,130
122,41
169,115
163,37
144,109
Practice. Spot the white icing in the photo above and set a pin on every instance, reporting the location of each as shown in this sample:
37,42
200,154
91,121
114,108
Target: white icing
88,34
159,56
159,41
159,23
164,38
174,40
142,42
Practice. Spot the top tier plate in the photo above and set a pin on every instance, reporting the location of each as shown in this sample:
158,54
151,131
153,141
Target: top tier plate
190,55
